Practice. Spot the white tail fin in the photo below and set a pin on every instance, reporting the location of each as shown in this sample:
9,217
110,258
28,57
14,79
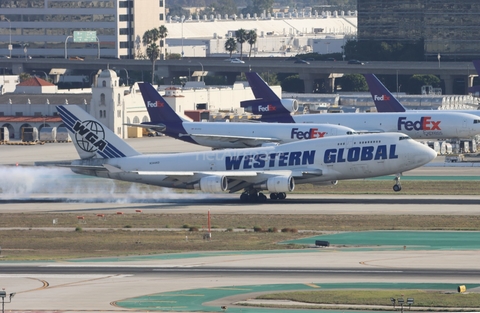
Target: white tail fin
90,137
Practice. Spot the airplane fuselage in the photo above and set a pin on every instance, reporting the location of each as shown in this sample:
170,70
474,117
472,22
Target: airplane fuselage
418,125
236,135
328,159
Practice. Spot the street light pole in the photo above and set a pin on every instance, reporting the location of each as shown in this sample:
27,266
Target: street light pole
3,294
10,41
203,73
183,18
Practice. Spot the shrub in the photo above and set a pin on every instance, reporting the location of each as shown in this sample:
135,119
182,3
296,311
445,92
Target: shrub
78,228
229,229
193,228
127,226
186,226
273,230
257,229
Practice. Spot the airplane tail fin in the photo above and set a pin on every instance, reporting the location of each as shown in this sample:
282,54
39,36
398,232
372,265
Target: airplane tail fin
158,109
260,88
383,99
91,138
266,102
475,89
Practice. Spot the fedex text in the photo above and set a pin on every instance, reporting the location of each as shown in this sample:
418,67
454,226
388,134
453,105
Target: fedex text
309,134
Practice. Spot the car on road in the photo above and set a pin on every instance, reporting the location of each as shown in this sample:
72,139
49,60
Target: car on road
301,61
235,60
354,61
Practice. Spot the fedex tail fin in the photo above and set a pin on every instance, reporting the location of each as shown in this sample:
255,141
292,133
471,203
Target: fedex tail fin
475,90
91,138
383,99
267,103
158,109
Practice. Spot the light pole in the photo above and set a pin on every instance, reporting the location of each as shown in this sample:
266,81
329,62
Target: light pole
3,294
183,18
10,41
438,57
46,76
202,70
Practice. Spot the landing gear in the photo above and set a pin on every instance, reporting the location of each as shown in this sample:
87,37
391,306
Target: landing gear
253,196
397,187
279,196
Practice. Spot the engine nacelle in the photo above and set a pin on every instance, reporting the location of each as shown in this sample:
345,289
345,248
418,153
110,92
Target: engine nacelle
212,184
277,184
290,104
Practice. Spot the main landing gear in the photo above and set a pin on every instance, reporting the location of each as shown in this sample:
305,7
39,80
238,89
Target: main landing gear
397,187
255,196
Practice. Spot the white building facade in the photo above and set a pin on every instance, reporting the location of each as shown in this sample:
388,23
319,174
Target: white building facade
45,28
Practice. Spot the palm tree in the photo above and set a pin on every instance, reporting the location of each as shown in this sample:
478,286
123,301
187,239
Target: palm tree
163,32
153,53
149,39
251,39
231,45
241,35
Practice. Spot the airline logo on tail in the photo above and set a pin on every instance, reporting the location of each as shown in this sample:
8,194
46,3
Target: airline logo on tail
156,104
381,98
266,108
90,136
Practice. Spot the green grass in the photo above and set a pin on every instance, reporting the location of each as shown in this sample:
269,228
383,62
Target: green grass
422,298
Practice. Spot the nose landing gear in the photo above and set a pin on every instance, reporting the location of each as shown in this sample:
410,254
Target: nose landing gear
397,187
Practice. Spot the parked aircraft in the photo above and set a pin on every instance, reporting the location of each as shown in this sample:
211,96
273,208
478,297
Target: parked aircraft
416,124
275,169
227,135
385,101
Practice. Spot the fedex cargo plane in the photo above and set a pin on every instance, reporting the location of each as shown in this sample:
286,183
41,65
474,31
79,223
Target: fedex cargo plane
227,135
416,124
275,169
385,101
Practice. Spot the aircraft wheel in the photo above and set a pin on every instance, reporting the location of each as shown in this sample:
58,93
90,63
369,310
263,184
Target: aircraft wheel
282,195
253,197
262,197
244,197
397,188
273,196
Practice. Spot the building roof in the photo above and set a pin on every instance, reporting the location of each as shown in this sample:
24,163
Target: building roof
53,99
35,82
30,119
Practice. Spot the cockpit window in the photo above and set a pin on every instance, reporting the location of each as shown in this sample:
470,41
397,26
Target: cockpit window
476,121
404,138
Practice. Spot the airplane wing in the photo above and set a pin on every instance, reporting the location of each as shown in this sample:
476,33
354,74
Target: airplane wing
247,141
156,127
237,180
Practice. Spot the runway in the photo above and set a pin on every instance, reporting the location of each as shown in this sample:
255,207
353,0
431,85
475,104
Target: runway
92,286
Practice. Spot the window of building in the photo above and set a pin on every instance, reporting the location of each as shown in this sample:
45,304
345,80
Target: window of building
125,18
101,114
102,99
161,3
104,83
161,17
124,44
18,113
119,113
119,130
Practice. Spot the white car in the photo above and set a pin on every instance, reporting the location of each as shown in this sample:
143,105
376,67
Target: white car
236,60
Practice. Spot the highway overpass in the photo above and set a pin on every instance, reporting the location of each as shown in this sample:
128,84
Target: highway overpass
447,71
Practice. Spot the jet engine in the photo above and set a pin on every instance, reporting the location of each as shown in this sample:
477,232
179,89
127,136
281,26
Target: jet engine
290,104
277,184
212,184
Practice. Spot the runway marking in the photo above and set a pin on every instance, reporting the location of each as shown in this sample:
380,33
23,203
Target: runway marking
227,288
313,285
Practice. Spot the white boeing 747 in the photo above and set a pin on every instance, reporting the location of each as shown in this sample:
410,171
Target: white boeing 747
227,135
275,169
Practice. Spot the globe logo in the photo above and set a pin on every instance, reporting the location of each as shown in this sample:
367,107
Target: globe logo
94,128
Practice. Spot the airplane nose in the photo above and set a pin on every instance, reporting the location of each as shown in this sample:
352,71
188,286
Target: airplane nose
425,155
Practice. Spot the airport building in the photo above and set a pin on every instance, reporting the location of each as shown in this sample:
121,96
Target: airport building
57,28
448,29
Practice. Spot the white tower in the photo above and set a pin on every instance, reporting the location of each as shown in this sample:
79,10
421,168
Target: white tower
108,102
